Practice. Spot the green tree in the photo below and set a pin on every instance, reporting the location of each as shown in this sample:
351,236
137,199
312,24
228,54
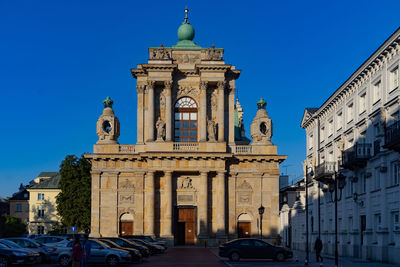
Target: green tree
73,203
13,227
57,229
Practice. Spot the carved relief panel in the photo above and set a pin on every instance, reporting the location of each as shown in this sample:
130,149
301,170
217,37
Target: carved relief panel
159,102
186,193
244,194
126,191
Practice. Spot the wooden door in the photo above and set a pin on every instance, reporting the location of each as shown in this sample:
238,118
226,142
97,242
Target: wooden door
126,228
244,229
188,217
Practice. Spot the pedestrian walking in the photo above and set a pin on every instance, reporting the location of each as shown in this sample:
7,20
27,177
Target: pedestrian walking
318,248
76,256
87,247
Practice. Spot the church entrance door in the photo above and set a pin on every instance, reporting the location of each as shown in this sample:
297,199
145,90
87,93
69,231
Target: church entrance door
126,228
186,222
244,229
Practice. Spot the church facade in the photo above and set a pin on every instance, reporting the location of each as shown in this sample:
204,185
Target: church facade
192,176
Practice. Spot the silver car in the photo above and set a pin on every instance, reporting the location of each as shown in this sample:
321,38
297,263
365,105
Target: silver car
53,241
100,253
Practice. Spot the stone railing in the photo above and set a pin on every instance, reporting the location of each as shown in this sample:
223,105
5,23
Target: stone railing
127,148
243,149
185,147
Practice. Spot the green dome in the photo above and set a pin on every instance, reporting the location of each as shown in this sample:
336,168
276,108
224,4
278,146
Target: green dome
185,32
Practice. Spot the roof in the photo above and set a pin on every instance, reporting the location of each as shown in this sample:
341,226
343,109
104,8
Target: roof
20,195
51,183
47,174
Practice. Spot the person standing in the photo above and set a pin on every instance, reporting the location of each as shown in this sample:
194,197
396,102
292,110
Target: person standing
87,247
76,256
318,248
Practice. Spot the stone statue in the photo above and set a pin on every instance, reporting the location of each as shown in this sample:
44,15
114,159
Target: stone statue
160,125
211,130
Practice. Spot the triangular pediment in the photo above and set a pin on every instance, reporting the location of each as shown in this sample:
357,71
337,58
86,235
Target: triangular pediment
308,112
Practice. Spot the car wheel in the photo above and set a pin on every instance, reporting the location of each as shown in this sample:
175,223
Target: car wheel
112,261
3,261
64,261
280,256
234,256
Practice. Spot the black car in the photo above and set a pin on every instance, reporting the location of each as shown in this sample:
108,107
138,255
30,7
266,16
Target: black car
251,248
136,255
33,257
9,256
148,239
154,249
128,244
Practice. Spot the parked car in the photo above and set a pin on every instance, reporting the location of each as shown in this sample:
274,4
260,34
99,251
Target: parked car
154,249
46,253
9,256
100,253
129,244
136,255
148,239
53,241
34,257
251,248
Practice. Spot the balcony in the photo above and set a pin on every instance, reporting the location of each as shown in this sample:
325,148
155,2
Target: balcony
185,147
392,137
325,171
243,149
356,157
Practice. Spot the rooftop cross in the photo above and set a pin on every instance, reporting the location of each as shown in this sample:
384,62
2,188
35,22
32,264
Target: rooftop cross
186,15
261,103
108,102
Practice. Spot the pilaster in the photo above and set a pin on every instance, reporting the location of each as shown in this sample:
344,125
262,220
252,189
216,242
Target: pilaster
140,113
149,204
203,205
221,231
203,112
150,119
221,111
168,111
166,212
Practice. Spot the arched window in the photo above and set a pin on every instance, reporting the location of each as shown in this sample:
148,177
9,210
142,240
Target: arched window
185,120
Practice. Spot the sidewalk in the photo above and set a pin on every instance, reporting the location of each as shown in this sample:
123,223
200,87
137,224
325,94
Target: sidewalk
329,261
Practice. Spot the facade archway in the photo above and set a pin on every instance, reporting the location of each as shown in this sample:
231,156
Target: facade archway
126,224
185,126
244,225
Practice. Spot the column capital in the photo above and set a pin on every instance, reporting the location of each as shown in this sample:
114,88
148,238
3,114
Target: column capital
204,172
150,84
221,85
140,88
169,172
168,84
150,172
203,85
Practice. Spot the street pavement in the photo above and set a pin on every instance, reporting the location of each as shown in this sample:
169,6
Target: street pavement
191,256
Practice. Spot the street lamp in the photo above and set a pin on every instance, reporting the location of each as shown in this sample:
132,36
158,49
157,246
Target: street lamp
338,182
261,210
306,185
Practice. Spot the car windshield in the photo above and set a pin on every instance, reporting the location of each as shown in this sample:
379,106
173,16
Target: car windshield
3,246
109,243
104,244
36,243
9,243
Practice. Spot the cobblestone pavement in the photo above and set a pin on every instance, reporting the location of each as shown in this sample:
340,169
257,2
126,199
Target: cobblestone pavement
182,257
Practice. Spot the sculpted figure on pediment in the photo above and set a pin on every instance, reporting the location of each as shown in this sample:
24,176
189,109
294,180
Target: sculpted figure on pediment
126,184
211,130
160,53
187,90
186,183
213,53
160,125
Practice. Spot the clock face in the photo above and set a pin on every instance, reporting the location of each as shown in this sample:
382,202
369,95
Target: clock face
263,128
106,126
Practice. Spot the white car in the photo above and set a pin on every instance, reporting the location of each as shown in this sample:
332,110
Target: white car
53,241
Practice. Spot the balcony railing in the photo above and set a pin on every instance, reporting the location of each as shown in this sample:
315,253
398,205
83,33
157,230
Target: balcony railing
243,149
325,171
185,147
392,137
127,148
357,156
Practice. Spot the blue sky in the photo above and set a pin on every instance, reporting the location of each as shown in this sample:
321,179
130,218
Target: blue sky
60,59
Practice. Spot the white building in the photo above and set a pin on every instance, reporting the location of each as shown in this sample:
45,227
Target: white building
357,131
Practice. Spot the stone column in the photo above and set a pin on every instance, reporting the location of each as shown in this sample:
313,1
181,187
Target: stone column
203,112
231,104
203,207
166,213
95,218
221,204
168,111
140,126
149,204
150,114
221,111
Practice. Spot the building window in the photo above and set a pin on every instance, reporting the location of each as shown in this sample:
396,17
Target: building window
394,78
350,113
26,195
330,128
322,134
27,207
310,142
363,183
18,208
40,211
350,224
339,121
377,87
40,230
376,182
185,120
362,103
395,172
40,196
395,221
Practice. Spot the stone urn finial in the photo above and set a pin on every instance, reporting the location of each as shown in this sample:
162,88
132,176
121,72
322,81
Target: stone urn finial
108,102
261,104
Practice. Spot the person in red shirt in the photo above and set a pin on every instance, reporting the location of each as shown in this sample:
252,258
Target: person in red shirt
76,256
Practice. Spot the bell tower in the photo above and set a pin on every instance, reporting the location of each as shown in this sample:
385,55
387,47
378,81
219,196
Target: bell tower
108,124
